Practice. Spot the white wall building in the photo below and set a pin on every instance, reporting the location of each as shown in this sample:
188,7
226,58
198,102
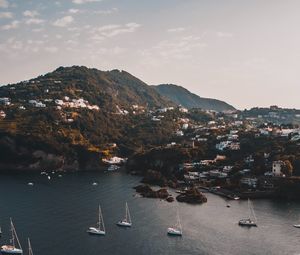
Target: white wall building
277,168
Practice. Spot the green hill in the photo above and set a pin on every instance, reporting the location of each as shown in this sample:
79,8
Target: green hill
68,118
182,96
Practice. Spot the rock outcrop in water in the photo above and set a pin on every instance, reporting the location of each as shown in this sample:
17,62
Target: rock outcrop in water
147,191
192,196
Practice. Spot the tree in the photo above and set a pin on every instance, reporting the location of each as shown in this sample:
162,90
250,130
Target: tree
288,168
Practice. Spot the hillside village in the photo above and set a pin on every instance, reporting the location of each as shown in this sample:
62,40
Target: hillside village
72,120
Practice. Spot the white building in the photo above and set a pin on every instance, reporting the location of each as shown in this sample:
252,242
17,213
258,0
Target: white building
277,168
184,110
179,133
59,102
5,100
249,181
185,126
2,114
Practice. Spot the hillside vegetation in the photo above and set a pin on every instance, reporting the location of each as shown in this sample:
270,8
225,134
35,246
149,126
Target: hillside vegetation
182,96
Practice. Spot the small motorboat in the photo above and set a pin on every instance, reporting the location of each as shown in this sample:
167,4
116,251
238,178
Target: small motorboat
30,184
297,226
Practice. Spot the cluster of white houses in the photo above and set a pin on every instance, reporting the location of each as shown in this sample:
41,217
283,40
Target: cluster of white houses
5,101
75,103
2,114
231,142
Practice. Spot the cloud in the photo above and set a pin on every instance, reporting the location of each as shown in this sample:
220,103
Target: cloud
37,30
63,22
106,12
114,30
85,1
13,25
51,49
176,29
73,11
181,48
4,4
6,15
34,21
30,14
224,34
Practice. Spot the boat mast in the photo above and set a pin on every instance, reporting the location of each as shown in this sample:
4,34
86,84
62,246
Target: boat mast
253,213
249,209
29,248
178,221
12,240
14,235
101,222
99,218
128,218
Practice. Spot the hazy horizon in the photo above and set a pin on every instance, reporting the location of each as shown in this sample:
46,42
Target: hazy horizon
242,52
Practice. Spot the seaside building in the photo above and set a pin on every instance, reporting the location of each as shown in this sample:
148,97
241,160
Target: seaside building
277,168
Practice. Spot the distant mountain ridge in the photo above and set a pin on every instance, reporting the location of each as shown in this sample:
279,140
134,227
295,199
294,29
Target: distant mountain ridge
182,96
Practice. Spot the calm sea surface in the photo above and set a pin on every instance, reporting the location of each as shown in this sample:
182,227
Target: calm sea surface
55,215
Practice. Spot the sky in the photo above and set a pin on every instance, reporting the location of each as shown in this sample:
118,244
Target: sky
245,52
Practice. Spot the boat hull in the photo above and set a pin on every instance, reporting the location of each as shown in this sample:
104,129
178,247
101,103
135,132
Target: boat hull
95,231
6,249
247,223
174,232
297,226
124,224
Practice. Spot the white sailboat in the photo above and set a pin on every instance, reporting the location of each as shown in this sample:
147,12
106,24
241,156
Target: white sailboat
177,229
12,248
249,222
126,222
29,248
100,229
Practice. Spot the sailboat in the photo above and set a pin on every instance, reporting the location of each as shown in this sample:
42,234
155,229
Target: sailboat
29,248
126,222
177,229
12,248
249,222
100,229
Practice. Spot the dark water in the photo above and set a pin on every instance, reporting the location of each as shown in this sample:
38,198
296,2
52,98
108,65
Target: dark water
55,215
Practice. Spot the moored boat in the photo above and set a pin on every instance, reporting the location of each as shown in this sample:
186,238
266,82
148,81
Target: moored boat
126,222
14,247
177,229
248,222
100,229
